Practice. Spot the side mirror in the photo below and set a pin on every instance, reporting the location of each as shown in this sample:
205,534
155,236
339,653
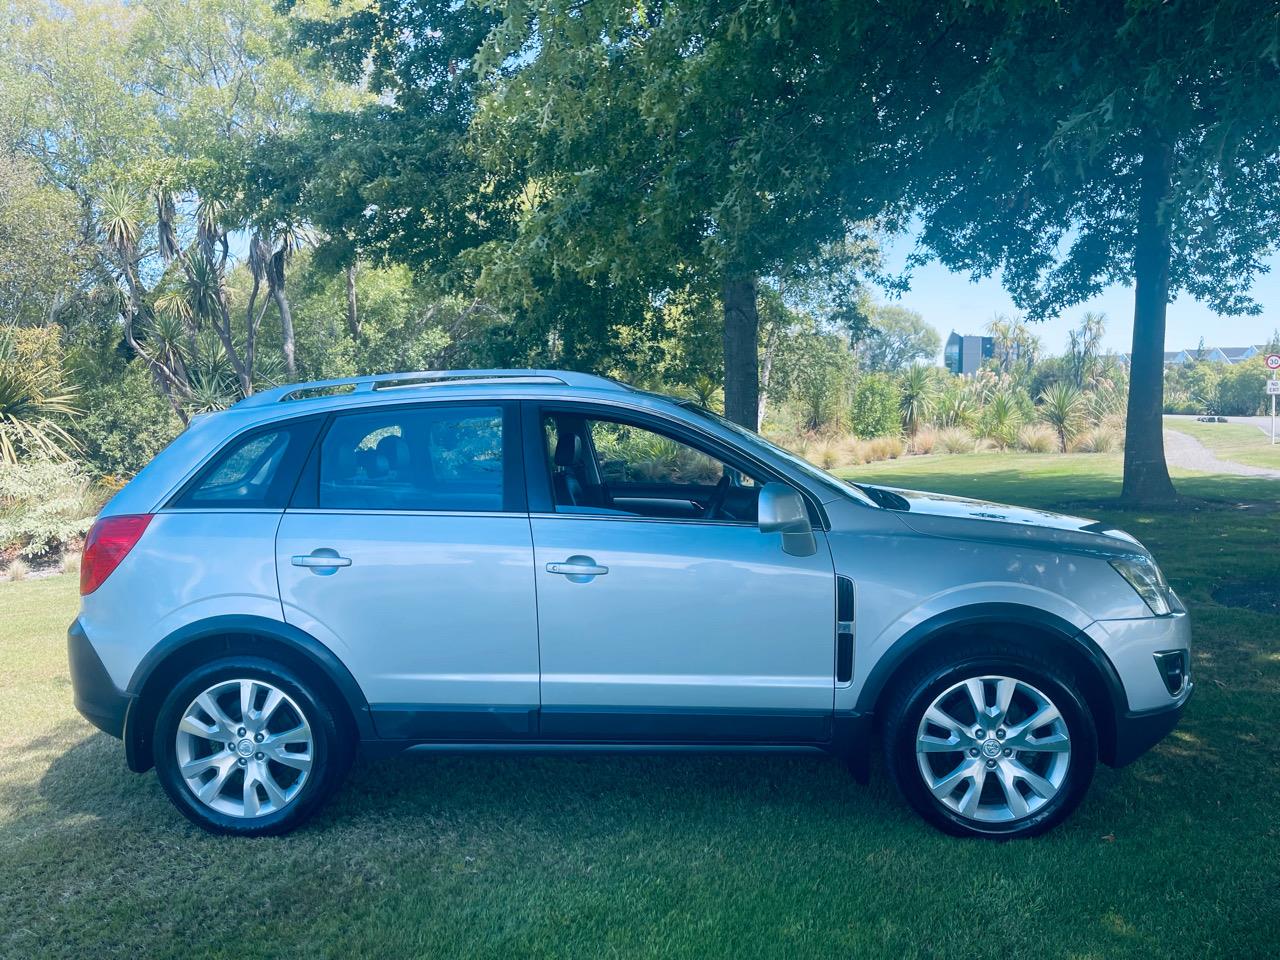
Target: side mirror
782,510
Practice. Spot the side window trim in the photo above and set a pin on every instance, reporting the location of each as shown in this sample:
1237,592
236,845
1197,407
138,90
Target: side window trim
306,495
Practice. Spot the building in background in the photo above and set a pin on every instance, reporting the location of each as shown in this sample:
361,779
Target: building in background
966,354
1227,355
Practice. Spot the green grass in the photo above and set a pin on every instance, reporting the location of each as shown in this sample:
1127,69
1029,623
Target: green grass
679,856
1241,442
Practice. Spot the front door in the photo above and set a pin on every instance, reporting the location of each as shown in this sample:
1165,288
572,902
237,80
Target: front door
407,550
664,613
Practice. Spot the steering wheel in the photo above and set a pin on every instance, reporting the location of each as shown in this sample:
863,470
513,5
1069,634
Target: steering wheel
715,503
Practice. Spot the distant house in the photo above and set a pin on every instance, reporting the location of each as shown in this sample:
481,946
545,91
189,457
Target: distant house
965,354
1227,355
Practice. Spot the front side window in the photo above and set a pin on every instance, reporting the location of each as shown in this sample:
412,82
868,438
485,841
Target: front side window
446,458
609,467
254,471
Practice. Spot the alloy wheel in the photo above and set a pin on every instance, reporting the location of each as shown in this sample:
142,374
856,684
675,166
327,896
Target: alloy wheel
993,749
244,748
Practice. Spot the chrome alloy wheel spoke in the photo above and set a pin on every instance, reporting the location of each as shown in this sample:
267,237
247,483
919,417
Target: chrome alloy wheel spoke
244,748
1003,766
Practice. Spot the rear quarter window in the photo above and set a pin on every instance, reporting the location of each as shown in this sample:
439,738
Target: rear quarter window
255,470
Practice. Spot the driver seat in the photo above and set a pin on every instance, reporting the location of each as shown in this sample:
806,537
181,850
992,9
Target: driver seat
569,472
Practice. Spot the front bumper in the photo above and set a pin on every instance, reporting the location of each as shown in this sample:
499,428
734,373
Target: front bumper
95,696
1136,733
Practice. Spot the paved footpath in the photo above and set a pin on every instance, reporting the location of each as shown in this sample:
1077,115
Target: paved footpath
1181,450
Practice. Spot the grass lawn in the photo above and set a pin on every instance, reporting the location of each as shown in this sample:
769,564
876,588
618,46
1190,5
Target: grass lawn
1241,442
735,856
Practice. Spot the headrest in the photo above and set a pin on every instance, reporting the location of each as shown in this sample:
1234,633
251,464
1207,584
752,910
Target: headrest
394,450
568,450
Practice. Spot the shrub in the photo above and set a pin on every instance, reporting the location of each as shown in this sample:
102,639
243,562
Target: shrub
1001,419
918,388
128,423
956,440
71,561
1241,391
18,569
1037,438
1099,439
1062,406
885,448
874,407
44,506
822,452
924,440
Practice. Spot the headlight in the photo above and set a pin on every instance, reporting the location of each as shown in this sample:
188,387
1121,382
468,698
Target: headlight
1147,580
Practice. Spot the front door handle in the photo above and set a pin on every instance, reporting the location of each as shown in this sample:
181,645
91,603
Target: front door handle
578,569
323,561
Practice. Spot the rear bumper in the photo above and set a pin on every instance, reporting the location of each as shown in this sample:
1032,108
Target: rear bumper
1136,733
95,696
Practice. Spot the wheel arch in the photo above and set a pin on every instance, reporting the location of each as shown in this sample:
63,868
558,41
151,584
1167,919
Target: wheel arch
1099,683
207,640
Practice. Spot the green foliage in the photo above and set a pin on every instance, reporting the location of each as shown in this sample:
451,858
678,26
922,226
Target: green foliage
1242,388
874,407
812,370
1001,418
126,424
45,505
918,387
899,338
1062,407
35,396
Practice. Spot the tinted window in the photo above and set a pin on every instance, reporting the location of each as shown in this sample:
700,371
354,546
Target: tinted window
256,470
420,458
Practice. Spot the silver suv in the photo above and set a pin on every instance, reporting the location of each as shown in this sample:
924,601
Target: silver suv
516,557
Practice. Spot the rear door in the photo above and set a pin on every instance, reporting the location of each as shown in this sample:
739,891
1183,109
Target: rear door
407,549
665,614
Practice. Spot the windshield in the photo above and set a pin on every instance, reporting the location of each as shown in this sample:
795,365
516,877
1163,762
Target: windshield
833,484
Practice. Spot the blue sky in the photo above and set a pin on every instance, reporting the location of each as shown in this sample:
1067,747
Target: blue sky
951,301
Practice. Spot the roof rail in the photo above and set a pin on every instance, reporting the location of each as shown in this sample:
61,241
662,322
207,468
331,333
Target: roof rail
423,378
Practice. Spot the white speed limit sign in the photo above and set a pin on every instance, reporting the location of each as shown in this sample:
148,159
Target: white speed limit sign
1273,361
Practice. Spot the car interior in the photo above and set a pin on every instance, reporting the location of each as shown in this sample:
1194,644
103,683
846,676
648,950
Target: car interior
613,468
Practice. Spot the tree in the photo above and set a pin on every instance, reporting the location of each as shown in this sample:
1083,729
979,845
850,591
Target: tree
712,145
41,246
1074,144
899,338
1084,350
1014,347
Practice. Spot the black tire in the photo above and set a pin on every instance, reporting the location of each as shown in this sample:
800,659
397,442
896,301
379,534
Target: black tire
912,695
332,747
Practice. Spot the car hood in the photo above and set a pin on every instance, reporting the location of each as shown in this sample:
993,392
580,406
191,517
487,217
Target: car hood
940,515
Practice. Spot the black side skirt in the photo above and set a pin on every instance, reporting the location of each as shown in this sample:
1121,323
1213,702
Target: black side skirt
412,722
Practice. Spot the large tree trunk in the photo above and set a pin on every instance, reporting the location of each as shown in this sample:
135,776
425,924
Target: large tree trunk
275,283
741,352
1146,476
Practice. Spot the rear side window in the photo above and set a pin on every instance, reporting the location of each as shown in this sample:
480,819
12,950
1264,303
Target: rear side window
256,470
415,458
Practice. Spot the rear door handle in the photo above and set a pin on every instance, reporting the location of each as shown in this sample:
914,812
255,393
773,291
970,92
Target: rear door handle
578,569
322,561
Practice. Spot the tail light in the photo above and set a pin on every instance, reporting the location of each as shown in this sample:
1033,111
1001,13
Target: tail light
108,543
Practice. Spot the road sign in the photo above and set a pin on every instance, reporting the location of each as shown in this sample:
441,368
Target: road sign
1273,361
1273,387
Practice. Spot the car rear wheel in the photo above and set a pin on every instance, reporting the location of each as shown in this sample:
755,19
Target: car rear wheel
248,747
991,744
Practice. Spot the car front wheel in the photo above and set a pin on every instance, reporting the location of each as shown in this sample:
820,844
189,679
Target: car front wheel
248,747
993,745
